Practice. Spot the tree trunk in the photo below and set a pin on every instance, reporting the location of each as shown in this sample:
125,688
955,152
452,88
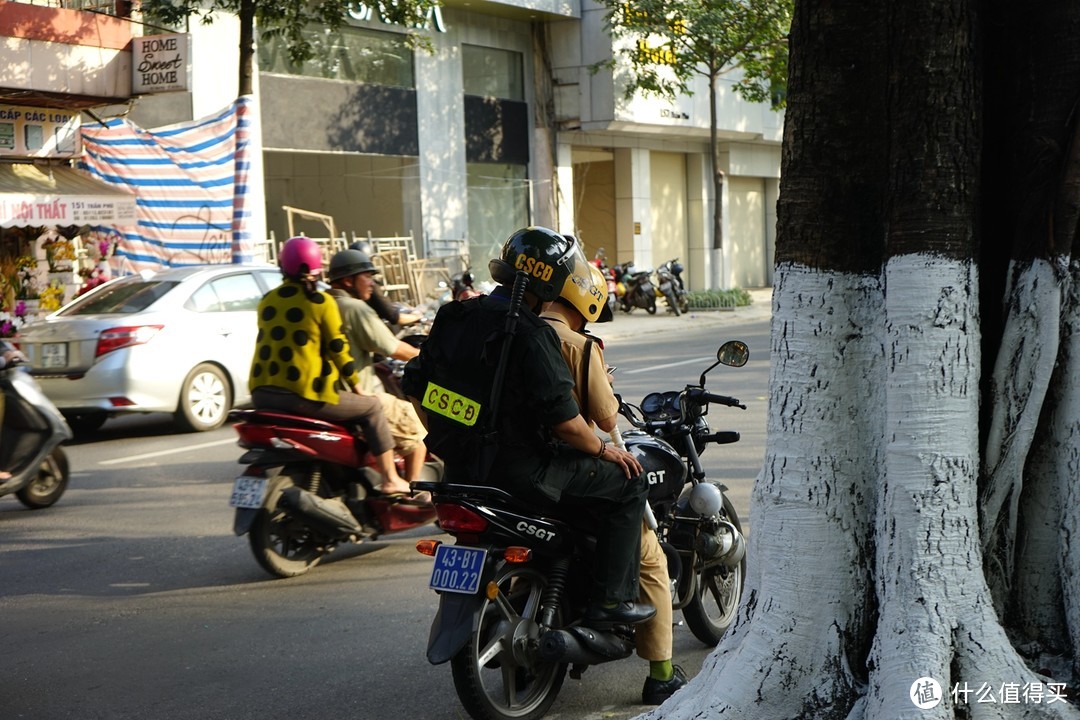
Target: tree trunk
247,47
866,595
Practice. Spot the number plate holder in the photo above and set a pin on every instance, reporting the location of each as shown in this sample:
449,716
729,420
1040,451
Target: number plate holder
248,491
457,569
54,355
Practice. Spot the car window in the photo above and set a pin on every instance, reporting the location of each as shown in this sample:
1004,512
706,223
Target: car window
204,300
123,297
271,278
232,293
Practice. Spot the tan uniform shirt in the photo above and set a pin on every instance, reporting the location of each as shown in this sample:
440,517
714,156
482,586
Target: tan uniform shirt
602,402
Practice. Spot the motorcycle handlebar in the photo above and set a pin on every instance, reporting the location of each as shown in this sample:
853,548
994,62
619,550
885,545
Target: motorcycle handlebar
702,397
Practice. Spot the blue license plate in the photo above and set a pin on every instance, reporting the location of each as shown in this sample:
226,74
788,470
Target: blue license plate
457,569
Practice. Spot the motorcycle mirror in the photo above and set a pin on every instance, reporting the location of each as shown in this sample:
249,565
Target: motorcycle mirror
734,353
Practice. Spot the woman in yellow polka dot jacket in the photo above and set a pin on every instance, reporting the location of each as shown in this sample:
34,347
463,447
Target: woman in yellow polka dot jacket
301,352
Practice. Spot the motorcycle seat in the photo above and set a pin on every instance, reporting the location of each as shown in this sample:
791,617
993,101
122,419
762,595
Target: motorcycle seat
274,417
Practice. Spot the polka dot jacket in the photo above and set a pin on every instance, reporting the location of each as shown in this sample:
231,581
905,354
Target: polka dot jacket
301,346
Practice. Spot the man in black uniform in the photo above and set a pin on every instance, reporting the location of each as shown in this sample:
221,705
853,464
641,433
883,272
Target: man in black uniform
545,451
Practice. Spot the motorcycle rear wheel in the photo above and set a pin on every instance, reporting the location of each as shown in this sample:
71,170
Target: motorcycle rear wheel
651,307
50,483
282,544
498,674
717,593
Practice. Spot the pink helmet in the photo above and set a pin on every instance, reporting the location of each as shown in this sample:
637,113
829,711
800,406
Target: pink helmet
300,256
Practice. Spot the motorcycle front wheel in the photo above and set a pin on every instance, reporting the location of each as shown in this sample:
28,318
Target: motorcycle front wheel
283,544
651,307
718,591
673,303
499,674
49,484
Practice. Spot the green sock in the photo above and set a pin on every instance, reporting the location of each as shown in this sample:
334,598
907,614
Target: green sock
661,670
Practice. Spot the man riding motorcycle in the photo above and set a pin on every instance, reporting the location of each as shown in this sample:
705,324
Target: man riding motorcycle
545,452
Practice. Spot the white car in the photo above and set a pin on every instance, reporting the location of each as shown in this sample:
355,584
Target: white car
178,341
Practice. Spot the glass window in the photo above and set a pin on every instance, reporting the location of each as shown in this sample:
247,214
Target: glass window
498,204
238,292
204,300
119,297
492,73
349,53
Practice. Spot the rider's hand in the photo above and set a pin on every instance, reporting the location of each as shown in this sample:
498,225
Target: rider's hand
623,459
12,356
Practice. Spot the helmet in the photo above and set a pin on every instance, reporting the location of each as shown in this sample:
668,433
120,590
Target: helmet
348,263
586,290
363,246
547,257
300,256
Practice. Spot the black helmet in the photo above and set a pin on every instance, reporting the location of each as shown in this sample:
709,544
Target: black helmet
363,246
348,263
547,257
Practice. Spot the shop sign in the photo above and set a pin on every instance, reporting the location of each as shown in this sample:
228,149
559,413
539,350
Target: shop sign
160,63
433,20
38,132
66,210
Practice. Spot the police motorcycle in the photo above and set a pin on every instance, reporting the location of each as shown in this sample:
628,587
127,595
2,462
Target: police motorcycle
670,285
30,439
309,486
512,585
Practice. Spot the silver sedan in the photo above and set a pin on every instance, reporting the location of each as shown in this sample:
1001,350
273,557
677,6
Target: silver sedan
178,341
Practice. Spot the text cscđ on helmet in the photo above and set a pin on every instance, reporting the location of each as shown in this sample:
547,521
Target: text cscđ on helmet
547,258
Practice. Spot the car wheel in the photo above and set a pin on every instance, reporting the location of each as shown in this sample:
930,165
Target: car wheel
205,399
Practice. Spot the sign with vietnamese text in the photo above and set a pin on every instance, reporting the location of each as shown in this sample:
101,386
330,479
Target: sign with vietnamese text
160,63
38,132
35,210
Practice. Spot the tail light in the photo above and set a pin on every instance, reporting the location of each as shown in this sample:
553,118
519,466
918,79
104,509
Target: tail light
458,519
121,337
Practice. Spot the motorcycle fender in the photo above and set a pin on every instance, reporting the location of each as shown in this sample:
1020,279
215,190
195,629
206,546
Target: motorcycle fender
453,624
243,520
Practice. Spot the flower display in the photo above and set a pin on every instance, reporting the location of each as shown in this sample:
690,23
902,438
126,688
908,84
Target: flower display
52,297
10,322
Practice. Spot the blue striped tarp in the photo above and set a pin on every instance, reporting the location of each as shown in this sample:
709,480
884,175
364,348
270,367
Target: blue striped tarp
190,182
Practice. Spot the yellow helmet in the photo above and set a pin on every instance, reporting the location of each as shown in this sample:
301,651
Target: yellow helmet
586,290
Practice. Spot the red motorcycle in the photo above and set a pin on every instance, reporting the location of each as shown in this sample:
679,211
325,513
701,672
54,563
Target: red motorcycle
309,486
600,261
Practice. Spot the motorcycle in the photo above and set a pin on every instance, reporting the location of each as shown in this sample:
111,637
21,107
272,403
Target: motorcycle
462,286
309,486
640,291
511,600
30,439
669,284
600,261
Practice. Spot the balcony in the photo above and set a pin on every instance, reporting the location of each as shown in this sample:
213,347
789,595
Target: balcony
65,53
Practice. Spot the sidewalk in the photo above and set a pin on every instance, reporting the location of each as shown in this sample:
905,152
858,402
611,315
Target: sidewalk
639,322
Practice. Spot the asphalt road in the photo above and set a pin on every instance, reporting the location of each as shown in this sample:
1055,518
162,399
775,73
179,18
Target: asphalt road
131,598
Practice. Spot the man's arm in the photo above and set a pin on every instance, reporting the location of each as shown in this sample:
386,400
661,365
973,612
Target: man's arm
576,433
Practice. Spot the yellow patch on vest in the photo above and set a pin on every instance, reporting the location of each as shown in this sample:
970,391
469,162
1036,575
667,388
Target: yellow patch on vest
450,404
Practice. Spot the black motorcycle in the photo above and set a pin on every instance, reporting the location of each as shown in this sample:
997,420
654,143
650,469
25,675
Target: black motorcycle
512,587
669,280
640,292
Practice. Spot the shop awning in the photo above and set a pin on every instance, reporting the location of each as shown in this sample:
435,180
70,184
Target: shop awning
53,195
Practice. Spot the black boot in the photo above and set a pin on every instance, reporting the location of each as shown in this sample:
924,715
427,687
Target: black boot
656,692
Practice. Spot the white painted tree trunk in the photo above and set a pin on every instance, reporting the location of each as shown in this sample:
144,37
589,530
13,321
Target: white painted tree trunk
872,442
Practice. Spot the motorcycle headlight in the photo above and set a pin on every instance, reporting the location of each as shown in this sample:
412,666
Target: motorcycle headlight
706,499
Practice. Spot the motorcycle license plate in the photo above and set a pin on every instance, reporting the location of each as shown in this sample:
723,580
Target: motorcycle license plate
248,492
457,569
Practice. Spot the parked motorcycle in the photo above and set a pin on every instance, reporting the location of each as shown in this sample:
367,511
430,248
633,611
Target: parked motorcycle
670,285
512,585
462,286
600,261
30,439
309,486
640,292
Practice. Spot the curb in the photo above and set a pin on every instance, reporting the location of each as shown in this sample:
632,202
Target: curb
640,323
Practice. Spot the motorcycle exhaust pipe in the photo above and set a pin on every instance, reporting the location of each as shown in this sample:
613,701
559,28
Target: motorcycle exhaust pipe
583,646
726,546
330,517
